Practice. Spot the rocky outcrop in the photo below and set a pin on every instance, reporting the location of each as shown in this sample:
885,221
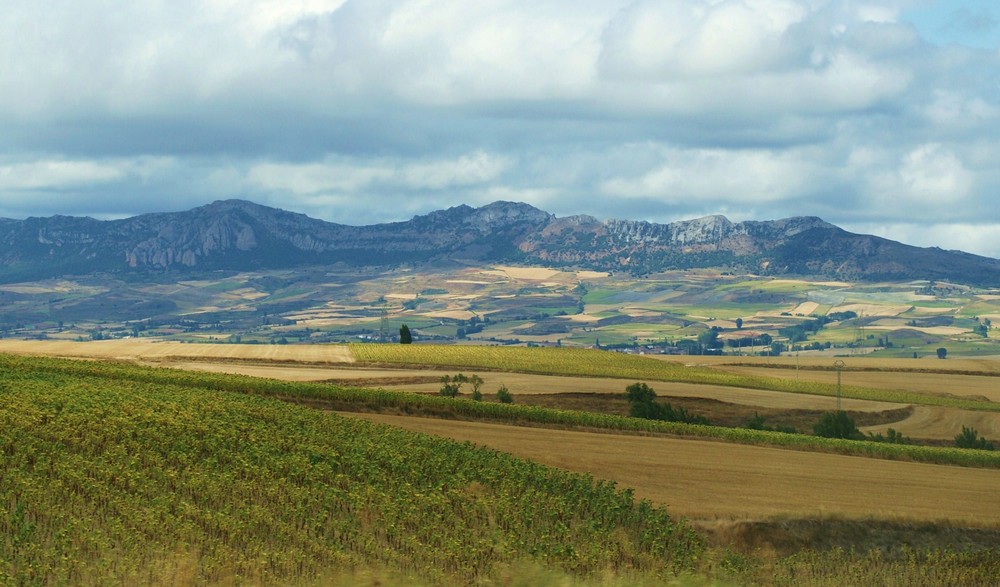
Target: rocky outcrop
240,235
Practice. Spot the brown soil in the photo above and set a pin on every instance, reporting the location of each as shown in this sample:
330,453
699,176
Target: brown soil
786,536
719,413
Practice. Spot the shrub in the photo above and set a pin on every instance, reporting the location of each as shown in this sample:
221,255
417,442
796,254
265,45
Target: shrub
969,438
757,423
504,396
837,425
891,436
642,405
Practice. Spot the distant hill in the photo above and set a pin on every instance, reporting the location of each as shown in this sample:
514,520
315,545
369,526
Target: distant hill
238,235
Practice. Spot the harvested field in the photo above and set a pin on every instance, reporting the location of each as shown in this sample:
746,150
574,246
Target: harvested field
980,365
871,309
975,386
145,349
942,424
529,273
806,308
710,480
346,376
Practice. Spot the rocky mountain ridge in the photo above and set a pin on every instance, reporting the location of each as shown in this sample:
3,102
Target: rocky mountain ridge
237,235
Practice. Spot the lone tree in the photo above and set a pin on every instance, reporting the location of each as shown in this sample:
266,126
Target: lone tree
739,324
404,335
942,353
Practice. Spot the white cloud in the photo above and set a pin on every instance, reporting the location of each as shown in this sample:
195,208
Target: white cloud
57,174
342,175
641,108
930,182
747,177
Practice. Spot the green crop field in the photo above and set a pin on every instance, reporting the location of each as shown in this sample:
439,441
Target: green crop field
111,479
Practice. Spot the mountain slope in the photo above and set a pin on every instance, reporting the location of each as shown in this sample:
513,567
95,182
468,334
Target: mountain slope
240,235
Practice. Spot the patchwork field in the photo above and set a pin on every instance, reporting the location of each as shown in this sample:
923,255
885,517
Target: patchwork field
511,305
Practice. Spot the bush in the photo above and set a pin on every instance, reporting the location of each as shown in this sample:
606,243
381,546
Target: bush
642,402
837,425
504,396
757,423
969,438
891,436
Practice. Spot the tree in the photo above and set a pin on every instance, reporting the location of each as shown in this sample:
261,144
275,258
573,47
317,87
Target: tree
969,438
642,404
942,353
739,324
639,392
450,387
837,425
709,339
504,396
476,381
404,335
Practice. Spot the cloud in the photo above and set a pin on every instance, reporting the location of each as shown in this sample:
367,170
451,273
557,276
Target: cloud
346,175
647,109
56,174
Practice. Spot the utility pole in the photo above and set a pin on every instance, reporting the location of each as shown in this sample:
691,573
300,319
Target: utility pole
839,366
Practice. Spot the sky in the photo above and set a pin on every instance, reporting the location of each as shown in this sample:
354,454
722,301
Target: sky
880,116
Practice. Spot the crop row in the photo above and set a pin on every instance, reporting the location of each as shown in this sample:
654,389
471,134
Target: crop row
595,363
109,479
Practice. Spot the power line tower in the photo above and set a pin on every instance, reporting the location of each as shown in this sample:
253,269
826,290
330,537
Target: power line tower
383,322
859,334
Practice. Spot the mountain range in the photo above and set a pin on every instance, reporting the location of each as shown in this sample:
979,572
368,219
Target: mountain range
237,235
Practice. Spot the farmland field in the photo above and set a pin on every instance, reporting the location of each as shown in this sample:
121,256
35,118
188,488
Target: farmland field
707,480
974,378
139,349
714,480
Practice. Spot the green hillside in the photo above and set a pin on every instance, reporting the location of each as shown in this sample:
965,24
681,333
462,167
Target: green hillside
108,479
